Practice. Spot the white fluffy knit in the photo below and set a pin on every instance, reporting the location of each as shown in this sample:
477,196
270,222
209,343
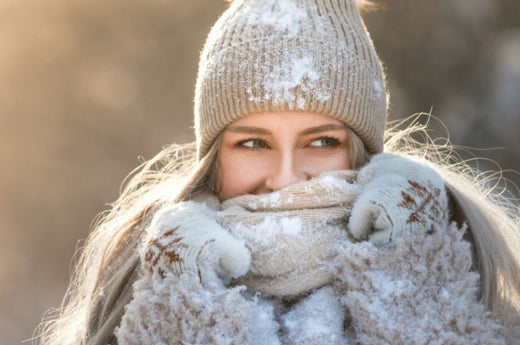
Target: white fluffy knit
417,289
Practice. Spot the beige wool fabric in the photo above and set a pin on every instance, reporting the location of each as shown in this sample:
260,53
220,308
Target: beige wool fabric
417,290
280,55
292,233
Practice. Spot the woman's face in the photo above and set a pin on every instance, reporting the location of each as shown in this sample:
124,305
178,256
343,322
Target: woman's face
264,152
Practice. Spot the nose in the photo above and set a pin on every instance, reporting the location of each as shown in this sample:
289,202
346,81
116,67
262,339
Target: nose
286,171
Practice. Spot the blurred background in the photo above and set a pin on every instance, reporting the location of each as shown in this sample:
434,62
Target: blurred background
88,86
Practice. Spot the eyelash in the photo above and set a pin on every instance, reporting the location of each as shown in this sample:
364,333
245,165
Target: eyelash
241,143
332,143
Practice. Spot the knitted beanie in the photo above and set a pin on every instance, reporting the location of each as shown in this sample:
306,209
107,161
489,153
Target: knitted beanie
280,55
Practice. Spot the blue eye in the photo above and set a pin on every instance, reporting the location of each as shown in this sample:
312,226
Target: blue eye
325,142
253,144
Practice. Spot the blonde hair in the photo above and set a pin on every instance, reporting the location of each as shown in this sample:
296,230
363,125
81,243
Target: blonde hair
101,285
108,263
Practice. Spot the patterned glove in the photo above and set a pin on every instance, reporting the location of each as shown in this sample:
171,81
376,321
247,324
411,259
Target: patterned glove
186,238
399,195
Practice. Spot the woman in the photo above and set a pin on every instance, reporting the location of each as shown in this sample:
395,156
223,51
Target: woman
286,223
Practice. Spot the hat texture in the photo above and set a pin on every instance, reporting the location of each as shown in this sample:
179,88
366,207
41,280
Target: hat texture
282,55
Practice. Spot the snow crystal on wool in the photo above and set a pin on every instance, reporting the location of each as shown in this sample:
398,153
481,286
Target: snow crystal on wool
252,97
332,183
271,227
444,295
282,16
271,200
389,288
378,88
282,79
266,331
318,318
252,206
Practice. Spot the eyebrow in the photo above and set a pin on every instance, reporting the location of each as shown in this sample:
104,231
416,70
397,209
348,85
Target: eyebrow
307,131
248,130
323,128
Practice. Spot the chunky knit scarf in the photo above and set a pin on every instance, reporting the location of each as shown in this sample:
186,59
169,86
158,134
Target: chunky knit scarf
291,236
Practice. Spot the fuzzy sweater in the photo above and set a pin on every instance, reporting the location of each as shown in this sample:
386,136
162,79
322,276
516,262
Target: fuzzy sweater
413,284
418,289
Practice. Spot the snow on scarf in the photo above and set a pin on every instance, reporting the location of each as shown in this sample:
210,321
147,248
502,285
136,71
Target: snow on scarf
291,233
418,289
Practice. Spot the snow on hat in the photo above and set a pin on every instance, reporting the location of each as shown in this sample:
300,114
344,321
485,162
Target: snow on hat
279,55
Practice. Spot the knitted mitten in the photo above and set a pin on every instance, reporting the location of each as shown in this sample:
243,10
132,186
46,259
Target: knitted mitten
398,195
185,238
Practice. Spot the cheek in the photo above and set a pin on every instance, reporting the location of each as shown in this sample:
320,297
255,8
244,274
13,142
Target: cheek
237,175
342,161
317,164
